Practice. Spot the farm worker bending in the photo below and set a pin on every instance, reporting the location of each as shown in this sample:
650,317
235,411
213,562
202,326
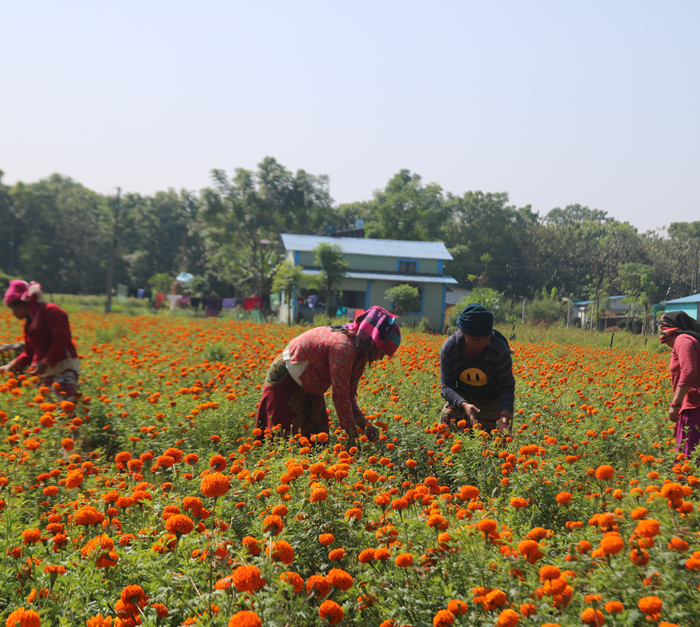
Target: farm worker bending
48,347
680,332
476,373
322,358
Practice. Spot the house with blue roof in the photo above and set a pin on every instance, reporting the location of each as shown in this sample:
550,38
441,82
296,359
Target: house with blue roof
689,304
375,266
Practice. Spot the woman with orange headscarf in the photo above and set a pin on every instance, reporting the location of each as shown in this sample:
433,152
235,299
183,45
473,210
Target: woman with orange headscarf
48,346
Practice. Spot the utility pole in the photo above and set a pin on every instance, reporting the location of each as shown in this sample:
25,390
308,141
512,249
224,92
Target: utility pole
116,209
568,311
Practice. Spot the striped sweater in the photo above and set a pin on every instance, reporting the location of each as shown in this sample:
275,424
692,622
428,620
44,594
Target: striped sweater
500,367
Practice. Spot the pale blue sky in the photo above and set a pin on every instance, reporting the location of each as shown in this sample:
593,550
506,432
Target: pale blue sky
554,102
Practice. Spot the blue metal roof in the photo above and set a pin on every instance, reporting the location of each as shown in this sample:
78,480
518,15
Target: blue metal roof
381,276
693,298
376,247
588,302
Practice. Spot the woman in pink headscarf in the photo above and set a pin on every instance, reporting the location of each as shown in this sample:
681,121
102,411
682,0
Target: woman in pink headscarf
48,347
326,357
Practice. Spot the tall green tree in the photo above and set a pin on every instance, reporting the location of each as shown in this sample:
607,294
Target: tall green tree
482,224
244,216
407,209
329,257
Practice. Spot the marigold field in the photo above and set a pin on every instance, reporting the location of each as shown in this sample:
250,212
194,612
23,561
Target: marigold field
155,501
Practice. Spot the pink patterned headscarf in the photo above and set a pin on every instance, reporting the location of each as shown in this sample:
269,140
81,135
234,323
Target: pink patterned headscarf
21,290
378,326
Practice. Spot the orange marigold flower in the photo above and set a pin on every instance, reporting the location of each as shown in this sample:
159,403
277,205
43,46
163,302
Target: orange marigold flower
508,618
468,492
518,502
336,555
444,618
74,478
340,579
160,609
273,525
487,525
99,621
650,605
247,579
252,545
215,484
30,536
366,556
294,579
563,498
318,585
639,513
593,617
614,607
179,524
672,491
678,544
549,572
134,594
326,539
382,554
245,618
318,495
24,618
648,528
404,560
457,607
218,462
354,513
612,543
331,612
282,551
604,472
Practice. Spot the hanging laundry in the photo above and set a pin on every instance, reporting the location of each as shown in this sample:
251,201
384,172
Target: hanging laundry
140,293
312,301
358,312
213,307
185,300
265,301
172,299
132,292
274,302
159,300
228,303
195,302
254,302
342,312
122,292
351,313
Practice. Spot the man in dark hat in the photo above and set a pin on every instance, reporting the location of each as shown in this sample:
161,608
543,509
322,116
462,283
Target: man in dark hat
476,373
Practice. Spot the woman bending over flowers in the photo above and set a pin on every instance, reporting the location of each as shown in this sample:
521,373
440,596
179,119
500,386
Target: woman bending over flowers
322,358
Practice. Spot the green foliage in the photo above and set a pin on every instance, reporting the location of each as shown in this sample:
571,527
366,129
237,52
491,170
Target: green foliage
546,307
333,268
406,298
287,279
408,210
161,283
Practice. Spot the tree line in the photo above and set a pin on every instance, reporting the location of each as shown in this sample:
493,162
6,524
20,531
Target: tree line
58,232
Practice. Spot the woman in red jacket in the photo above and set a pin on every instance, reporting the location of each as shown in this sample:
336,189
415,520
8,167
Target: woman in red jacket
682,334
48,347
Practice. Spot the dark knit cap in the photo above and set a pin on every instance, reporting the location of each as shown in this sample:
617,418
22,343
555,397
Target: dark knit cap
475,320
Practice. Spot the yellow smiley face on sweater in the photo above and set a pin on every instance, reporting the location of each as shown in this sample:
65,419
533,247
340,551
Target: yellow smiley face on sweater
474,376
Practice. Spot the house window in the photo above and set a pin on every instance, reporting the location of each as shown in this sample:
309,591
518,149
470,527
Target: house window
408,267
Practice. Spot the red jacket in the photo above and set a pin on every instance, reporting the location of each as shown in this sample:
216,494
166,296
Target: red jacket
47,337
